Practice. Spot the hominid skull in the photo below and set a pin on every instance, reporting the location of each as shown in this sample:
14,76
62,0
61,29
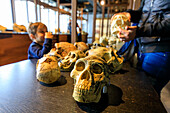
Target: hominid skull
102,52
55,53
119,20
47,69
67,63
109,55
104,41
91,75
96,44
63,48
81,46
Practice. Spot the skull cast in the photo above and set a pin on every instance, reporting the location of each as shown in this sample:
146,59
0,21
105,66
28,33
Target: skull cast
109,55
81,46
104,40
63,48
47,69
67,63
118,20
55,53
97,44
91,75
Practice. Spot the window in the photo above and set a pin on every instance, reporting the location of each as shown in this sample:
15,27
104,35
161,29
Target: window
21,12
6,14
31,12
64,20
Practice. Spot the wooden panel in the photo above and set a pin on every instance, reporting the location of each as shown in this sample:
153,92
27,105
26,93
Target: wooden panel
14,49
84,38
62,38
94,19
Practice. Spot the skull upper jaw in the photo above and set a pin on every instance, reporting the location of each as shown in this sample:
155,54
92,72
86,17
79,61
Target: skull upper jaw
66,67
88,96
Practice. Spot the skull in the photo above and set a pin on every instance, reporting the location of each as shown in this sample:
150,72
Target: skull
63,48
81,46
91,75
119,20
19,28
109,55
104,40
113,42
96,44
102,52
55,53
115,63
67,63
47,69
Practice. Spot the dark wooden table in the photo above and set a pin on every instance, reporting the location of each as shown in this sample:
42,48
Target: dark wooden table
20,92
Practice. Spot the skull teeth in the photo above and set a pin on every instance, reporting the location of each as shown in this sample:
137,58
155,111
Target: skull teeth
83,89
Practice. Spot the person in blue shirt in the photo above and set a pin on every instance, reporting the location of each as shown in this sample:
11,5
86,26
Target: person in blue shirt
42,40
79,36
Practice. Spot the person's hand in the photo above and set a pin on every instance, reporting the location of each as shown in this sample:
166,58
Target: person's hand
48,35
128,34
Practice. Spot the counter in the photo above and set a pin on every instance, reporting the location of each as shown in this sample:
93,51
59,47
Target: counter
129,92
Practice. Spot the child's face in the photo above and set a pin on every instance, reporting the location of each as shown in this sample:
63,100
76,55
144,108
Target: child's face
40,34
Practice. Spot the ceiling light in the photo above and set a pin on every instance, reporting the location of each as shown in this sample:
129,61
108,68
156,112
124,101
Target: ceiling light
102,2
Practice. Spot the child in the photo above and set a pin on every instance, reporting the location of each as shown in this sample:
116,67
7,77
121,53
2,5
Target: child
40,46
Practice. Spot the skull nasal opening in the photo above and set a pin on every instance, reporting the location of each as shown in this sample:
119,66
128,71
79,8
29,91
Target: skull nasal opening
85,75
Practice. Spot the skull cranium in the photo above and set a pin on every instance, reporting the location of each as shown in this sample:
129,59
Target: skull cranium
109,55
81,46
120,20
47,69
91,75
63,48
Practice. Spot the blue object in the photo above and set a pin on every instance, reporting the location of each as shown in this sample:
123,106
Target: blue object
156,65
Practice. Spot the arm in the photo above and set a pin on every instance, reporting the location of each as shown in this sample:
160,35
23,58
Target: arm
158,28
136,14
38,51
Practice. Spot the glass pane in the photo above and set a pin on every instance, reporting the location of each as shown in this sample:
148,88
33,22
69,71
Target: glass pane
6,14
45,16
21,15
31,12
52,21
64,20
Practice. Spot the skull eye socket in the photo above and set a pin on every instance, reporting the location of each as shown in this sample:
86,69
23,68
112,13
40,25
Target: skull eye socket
87,53
96,68
104,49
69,54
111,67
48,60
80,66
73,56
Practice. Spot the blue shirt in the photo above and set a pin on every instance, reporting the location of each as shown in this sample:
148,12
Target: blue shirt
37,51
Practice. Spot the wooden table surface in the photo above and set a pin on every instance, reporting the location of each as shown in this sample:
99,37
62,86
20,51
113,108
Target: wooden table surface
20,92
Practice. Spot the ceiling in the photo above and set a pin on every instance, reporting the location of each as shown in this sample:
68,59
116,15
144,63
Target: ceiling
87,5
